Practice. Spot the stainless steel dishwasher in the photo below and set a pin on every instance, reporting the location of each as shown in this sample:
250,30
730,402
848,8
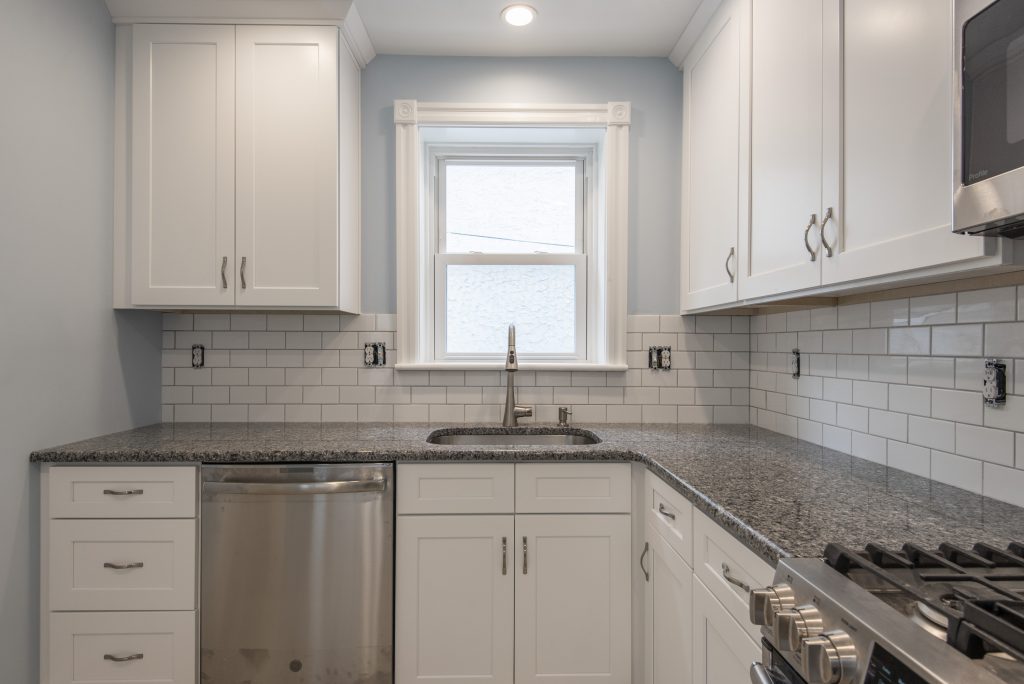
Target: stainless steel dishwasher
297,574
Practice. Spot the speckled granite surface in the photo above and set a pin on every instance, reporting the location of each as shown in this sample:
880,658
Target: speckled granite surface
779,496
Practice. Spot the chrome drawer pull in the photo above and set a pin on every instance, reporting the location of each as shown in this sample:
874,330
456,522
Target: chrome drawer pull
524,555
241,273
122,659
732,580
223,273
665,512
124,566
123,492
732,276
504,555
824,221
647,574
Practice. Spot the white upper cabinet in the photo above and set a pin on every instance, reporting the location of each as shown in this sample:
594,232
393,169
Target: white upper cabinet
183,165
785,149
716,127
287,157
897,132
243,172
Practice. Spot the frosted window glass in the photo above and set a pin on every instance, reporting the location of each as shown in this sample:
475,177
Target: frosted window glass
484,300
510,209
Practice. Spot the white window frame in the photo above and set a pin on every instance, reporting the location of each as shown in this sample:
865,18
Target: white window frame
581,157
601,314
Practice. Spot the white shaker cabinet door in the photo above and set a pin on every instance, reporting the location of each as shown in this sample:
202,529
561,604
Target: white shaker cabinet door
287,158
786,150
454,613
716,156
722,650
183,165
668,606
572,599
894,204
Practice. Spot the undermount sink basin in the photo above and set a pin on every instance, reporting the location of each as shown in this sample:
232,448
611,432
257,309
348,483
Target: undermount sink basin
513,436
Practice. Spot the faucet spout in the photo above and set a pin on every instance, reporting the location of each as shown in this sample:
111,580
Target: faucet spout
511,359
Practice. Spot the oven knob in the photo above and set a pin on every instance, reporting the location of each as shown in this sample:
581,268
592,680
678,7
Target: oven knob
829,658
792,626
765,603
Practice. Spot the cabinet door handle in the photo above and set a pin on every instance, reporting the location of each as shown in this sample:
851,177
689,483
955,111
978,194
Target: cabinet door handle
124,566
224,273
647,574
241,272
122,492
504,555
824,221
122,659
732,276
732,580
524,555
807,233
665,512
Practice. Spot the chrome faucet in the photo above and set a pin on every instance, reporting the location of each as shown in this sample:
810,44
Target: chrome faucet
512,412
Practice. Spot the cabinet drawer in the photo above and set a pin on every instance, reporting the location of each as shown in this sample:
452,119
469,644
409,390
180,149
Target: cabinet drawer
122,564
718,555
122,492
670,514
431,488
572,488
83,647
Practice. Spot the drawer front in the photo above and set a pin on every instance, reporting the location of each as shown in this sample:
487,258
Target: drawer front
671,514
83,648
122,565
718,557
122,492
434,488
572,488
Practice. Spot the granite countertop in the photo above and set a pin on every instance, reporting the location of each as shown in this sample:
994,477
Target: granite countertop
779,496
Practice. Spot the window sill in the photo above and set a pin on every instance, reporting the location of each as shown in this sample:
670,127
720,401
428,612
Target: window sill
499,366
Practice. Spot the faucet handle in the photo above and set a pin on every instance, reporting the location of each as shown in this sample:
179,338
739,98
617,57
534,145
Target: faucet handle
563,416
524,411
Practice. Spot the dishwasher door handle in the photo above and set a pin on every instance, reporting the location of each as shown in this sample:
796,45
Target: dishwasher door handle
293,488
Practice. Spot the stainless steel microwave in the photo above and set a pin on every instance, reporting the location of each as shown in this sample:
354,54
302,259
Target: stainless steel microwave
988,121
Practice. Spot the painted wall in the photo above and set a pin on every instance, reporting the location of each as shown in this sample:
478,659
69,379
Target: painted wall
69,367
653,86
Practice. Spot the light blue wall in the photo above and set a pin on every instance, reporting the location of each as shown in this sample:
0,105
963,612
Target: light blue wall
653,86
70,368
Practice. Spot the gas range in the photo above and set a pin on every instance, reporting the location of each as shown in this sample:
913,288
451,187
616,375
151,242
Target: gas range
884,616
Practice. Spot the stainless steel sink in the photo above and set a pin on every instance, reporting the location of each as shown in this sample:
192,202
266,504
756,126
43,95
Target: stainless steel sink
526,437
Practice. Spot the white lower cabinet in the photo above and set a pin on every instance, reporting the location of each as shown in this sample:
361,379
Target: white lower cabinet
485,595
454,598
722,649
572,599
668,606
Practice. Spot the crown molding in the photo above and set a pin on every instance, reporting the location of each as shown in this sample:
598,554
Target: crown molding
692,32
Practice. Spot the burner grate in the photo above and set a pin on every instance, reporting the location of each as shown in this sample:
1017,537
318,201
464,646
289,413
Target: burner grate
979,591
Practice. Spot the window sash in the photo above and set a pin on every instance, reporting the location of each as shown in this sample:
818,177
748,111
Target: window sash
441,263
526,158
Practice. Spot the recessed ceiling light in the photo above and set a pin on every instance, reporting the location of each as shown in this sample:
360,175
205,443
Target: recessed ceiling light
518,15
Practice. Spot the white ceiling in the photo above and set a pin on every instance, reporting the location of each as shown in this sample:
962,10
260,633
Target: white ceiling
585,28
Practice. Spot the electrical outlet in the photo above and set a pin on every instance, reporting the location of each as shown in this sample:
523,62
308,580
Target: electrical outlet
198,356
993,386
794,363
374,354
659,358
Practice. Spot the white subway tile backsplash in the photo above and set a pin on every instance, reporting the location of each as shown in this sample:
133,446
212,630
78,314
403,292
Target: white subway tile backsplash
929,432
1002,339
1009,416
826,318
956,470
910,341
853,367
837,341
910,399
983,306
1004,484
854,315
931,372
933,309
910,458
284,321
957,405
985,444
871,394
956,340
212,322
888,369
837,389
888,424
869,447
890,313
851,417
870,341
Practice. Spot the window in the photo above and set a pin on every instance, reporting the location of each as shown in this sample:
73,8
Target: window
511,247
510,215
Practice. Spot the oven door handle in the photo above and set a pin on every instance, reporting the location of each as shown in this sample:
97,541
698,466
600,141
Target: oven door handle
759,674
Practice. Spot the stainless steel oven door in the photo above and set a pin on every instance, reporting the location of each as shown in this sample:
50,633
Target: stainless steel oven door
988,120
773,668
